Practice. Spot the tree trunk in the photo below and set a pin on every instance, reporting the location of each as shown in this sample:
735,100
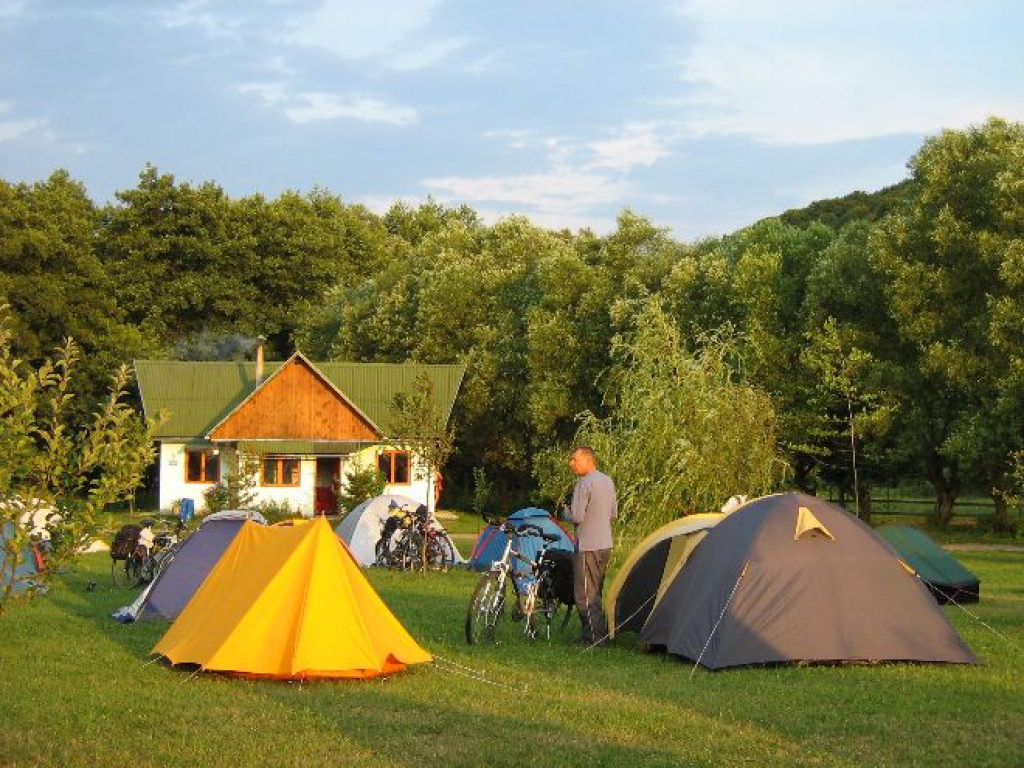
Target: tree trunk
864,508
946,481
1001,522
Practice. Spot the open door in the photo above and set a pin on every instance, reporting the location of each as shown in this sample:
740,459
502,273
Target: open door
328,485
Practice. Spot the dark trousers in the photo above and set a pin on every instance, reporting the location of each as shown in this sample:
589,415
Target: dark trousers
588,585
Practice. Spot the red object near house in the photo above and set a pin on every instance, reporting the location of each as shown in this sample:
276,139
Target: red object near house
325,502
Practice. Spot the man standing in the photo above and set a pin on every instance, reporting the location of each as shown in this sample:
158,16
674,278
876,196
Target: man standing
592,509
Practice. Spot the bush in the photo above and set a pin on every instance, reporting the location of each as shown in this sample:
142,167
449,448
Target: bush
360,484
276,511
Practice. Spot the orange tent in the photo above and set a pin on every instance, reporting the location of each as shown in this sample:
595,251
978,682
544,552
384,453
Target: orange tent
289,602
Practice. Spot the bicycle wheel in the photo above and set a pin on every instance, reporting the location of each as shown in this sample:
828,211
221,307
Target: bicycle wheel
382,554
439,553
411,549
486,609
133,568
119,573
545,607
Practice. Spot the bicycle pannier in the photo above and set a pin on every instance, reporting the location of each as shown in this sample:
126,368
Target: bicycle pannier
561,574
125,542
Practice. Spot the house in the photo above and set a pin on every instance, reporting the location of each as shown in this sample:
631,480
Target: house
305,424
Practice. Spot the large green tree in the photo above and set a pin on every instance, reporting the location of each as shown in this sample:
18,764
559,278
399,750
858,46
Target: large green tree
954,264
53,282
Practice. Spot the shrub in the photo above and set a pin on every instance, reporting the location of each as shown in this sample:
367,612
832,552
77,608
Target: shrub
361,483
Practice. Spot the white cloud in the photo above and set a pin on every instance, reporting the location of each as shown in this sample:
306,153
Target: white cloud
11,8
814,72
385,30
199,13
11,130
307,107
16,129
635,145
270,93
559,192
425,55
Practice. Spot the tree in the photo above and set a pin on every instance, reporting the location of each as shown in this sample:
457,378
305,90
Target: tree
54,283
361,483
684,432
954,259
418,424
841,371
66,473
237,487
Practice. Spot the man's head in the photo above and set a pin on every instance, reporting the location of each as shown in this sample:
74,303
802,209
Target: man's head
583,460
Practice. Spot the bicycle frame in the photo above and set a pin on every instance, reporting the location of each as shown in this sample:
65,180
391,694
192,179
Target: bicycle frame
526,595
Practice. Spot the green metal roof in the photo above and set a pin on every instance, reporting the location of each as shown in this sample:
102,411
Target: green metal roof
301,447
199,395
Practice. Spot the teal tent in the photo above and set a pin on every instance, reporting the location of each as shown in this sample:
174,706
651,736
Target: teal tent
947,579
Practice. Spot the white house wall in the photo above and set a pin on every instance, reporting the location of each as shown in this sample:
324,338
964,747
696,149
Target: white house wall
172,478
302,497
417,489
173,486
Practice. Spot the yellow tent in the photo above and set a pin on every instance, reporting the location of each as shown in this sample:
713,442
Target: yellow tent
289,602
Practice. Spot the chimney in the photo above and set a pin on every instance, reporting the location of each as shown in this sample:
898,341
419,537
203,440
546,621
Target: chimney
260,341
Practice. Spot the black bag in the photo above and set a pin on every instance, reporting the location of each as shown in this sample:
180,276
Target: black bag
561,575
125,542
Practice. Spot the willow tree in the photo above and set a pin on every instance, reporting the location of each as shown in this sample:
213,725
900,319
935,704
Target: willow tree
683,433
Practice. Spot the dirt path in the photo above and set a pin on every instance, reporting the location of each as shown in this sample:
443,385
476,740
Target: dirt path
983,547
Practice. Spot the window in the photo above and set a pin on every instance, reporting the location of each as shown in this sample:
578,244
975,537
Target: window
395,467
280,471
202,465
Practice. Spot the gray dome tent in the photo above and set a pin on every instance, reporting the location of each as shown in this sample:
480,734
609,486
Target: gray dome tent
169,593
791,577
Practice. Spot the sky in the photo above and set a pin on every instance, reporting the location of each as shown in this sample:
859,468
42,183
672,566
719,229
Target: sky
702,115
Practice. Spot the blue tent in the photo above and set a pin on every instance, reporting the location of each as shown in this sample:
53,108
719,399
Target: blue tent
491,542
26,568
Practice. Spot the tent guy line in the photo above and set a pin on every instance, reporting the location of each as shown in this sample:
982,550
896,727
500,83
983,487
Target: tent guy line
974,616
720,617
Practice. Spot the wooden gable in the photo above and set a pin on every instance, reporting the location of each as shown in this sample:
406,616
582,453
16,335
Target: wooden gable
296,403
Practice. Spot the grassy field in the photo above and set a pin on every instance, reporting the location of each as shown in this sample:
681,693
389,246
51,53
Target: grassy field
76,690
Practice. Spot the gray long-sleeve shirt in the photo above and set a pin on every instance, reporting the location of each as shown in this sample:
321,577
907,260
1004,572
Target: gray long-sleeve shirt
592,509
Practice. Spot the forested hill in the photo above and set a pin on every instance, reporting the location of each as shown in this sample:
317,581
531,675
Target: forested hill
911,320
856,206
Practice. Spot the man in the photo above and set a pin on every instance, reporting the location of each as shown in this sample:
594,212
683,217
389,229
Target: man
592,509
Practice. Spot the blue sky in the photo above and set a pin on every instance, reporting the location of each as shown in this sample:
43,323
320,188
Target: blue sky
704,115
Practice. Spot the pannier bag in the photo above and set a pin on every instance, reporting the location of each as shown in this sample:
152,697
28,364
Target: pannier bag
125,542
561,574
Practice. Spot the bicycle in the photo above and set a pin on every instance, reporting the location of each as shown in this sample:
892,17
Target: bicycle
413,541
539,591
141,565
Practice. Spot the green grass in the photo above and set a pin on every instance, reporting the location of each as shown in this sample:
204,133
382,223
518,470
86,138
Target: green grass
75,690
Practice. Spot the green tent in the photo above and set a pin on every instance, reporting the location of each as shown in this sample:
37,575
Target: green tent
947,579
